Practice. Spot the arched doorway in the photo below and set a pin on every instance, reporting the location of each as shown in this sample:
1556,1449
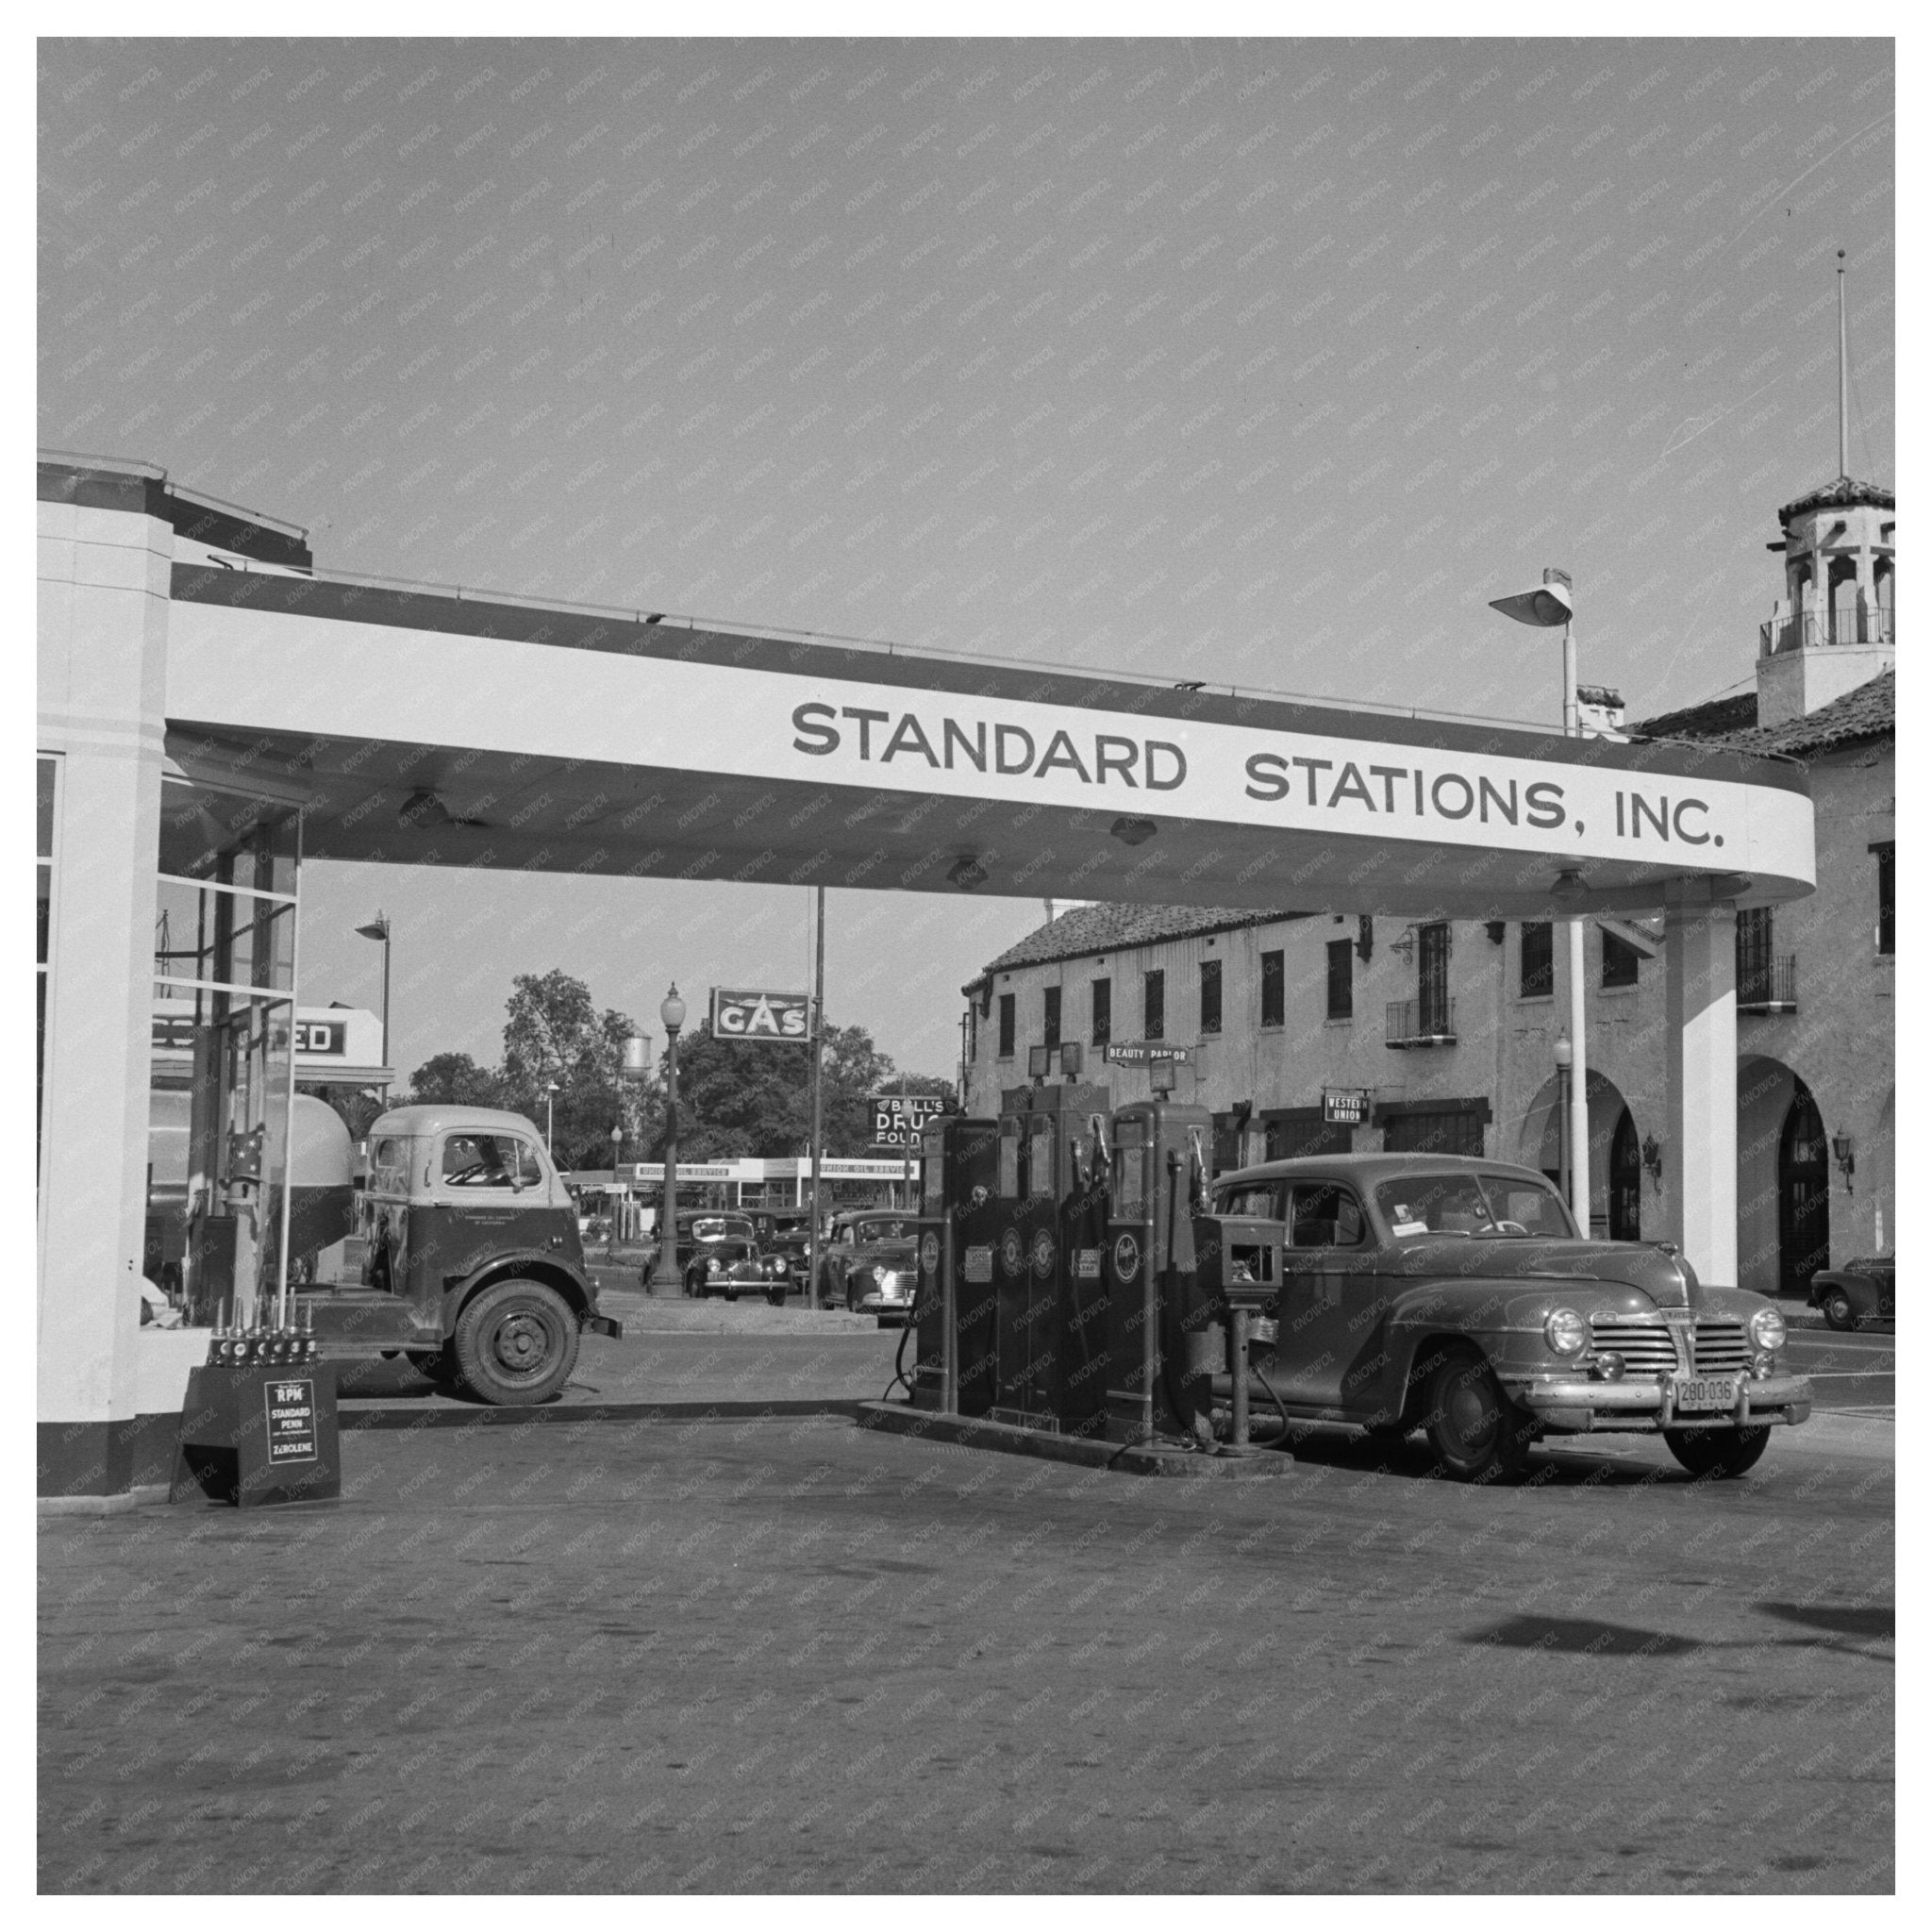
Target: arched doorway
1626,1181
1804,1195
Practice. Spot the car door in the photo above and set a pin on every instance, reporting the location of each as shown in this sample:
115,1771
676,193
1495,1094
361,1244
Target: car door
1328,1297
489,1196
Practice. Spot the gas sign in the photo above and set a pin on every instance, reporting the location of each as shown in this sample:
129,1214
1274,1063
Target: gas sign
781,1017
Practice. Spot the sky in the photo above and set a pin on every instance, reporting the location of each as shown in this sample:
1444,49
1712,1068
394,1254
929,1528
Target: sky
1263,361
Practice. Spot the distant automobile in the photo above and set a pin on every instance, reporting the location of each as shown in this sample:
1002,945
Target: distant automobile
785,1234
718,1254
1858,1293
868,1267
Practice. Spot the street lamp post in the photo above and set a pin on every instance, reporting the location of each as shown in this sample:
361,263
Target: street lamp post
378,929
1564,1058
1545,608
664,1278
616,1187
550,1094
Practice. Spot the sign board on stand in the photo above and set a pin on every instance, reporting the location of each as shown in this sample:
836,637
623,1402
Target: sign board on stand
739,1014
898,1120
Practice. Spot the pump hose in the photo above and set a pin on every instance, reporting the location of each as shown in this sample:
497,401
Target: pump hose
1276,1398
899,1380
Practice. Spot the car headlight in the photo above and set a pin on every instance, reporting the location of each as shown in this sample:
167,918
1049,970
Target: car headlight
1767,1329
889,1282
1565,1331
714,1266
777,1264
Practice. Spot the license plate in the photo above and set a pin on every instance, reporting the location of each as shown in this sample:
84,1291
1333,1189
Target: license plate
1706,1393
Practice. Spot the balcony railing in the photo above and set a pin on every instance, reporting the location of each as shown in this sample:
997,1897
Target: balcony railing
1420,1023
1769,985
1808,630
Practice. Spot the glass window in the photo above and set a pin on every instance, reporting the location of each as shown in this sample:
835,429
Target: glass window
1006,1026
488,1160
1620,961
46,775
1886,888
1040,1162
1210,995
1155,1002
1009,1163
226,839
1326,1215
1340,979
1050,1016
1537,1210
1460,1204
1538,974
1102,1011
1261,1200
1129,1172
1273,989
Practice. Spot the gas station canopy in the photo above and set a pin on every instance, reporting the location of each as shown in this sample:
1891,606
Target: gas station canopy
436,727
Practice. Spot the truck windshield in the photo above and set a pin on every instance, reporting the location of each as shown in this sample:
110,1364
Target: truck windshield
1489,1204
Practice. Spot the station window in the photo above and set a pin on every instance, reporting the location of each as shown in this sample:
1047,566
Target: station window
1006,1026
1340,979
1620,961
1050,1018
1102,1011
1210,995
1884,855
1156,1005
1539,979
1273,989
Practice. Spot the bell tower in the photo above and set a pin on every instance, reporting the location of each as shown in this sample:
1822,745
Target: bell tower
1833,630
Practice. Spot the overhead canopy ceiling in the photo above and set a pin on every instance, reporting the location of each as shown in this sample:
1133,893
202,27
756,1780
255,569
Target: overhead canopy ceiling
433,728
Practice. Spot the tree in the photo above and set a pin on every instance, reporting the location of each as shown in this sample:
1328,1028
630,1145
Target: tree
454,1079
554,1031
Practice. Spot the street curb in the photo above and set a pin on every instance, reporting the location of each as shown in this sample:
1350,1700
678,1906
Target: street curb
973,1432
416,1415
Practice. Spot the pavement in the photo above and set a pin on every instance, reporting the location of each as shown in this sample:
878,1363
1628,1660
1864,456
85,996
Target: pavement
792,1656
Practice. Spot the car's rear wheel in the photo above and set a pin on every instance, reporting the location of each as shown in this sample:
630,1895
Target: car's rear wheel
1718,1452
1837,1310
1478,1435
516,1342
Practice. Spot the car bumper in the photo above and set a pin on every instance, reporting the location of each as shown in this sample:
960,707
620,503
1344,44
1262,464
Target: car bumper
1578,1405
885,1304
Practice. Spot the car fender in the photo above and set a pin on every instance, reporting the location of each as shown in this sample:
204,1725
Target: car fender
529,1264
1504,1319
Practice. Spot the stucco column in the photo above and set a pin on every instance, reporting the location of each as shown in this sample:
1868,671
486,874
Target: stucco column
103,622
1700,1192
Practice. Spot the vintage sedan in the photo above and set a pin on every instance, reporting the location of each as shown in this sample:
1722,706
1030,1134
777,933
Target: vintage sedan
718,1254
1858,1293
1455,1295
868,1265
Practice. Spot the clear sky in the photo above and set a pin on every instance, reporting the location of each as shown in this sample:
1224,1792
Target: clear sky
1266,362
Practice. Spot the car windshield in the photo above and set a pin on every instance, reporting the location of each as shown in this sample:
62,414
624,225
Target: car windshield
716,1228
880,1231
1489,1204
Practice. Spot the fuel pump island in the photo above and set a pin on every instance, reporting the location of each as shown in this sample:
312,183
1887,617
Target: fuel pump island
1080,1297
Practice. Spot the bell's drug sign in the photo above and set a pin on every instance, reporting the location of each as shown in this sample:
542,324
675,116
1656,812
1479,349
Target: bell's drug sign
783,1017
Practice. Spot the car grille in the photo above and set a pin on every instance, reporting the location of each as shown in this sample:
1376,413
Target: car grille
1645,1347
1721,1348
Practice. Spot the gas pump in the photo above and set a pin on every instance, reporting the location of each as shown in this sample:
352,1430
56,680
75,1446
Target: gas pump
1038,1133
957,1230
1161,1351
1084,1336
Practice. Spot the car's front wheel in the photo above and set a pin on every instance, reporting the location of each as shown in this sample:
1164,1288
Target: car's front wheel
1837,1310
1478,1433
516,1343
1718,1452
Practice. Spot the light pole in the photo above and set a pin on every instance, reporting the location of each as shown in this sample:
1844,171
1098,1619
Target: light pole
664,1280
1564,1057
616,1187
378,929
1545,608
550,1094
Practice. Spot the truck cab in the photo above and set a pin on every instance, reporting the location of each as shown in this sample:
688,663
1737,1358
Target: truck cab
473,1265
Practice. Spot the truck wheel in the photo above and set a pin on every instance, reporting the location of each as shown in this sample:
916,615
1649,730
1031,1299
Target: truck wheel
1718,1452
516,1342
1837,1310
1477,1434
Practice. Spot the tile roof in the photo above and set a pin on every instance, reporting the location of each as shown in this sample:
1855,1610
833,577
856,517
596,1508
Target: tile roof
1707,720
1106,929
1870,712
1841,491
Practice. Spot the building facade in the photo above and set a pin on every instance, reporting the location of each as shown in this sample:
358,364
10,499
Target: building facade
1455,1027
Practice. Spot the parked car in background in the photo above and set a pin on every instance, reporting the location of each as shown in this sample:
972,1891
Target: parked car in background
1455,1295
867,1265
718,1254
1858,1293
785,1234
